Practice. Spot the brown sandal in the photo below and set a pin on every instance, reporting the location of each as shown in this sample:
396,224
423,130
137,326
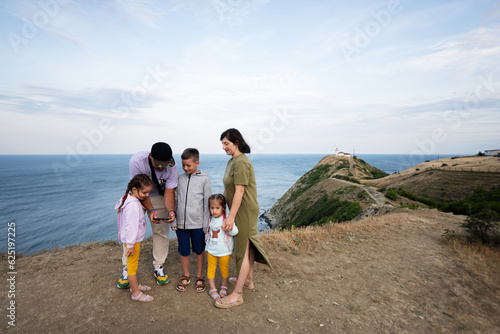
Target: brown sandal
183,286
200,287
225,303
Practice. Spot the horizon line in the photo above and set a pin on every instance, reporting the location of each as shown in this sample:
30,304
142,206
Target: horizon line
93,154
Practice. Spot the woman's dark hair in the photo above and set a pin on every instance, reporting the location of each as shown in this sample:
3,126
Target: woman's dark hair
235,137
139,181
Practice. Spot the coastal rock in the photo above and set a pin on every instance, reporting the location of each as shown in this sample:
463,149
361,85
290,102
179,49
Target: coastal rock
330,189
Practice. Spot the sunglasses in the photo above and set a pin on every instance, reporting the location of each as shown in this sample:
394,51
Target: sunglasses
162,164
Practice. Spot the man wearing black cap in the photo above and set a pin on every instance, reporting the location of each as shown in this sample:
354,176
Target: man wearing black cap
159,164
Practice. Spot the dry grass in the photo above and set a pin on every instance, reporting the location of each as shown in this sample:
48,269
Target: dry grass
480,260
310,238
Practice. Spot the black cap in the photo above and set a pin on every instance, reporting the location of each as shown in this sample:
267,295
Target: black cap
162,153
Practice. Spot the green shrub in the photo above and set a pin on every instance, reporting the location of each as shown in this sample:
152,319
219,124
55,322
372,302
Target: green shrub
483,227
324,210
346,178
309,179
392,194
378,174
362,195
478,202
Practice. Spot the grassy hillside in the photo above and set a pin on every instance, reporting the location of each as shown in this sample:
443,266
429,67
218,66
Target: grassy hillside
339,189
328,192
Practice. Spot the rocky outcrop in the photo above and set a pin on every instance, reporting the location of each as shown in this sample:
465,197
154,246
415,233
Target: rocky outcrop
329,191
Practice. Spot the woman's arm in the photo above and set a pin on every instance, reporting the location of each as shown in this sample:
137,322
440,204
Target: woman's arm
237,198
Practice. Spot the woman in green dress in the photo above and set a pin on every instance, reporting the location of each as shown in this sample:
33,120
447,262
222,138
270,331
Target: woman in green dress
240,190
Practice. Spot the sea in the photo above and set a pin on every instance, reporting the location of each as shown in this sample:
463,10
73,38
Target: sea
54,201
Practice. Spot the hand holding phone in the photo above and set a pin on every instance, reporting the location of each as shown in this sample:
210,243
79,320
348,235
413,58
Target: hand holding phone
159,218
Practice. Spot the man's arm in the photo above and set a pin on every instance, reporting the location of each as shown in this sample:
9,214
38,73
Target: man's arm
151,214
169,198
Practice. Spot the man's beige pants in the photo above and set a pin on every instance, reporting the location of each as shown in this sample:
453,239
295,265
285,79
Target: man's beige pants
161,233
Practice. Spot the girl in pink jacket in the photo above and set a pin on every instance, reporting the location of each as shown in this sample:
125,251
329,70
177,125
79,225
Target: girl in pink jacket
132,228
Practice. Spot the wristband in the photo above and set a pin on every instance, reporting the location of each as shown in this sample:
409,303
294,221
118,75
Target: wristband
152,210
175,213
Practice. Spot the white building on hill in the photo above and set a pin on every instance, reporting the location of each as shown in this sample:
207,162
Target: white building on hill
341,154
492,152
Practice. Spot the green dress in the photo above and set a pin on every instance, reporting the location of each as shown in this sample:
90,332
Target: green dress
239,171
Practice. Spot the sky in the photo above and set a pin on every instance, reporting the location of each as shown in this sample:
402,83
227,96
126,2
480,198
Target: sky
372,77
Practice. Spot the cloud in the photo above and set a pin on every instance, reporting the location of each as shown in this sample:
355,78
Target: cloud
220,12
145,12
474,51
90,102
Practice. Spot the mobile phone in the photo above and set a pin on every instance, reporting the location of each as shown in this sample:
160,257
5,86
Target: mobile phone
157,218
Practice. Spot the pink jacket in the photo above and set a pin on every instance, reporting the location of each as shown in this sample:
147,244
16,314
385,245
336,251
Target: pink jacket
131,221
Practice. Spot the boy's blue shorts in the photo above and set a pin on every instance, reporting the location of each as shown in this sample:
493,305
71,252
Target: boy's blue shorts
197,237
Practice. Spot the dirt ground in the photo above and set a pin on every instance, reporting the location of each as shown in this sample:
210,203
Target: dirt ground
386,274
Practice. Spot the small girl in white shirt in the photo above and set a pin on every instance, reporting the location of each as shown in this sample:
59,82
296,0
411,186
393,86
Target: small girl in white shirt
219,244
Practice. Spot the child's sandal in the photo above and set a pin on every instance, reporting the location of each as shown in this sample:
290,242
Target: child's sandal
183,286
223,291
213,293
142,288
200,284
141,297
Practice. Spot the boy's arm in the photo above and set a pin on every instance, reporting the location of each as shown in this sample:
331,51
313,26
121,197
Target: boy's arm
207,191
173,225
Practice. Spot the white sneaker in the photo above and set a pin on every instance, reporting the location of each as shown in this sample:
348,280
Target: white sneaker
123,281
161,278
